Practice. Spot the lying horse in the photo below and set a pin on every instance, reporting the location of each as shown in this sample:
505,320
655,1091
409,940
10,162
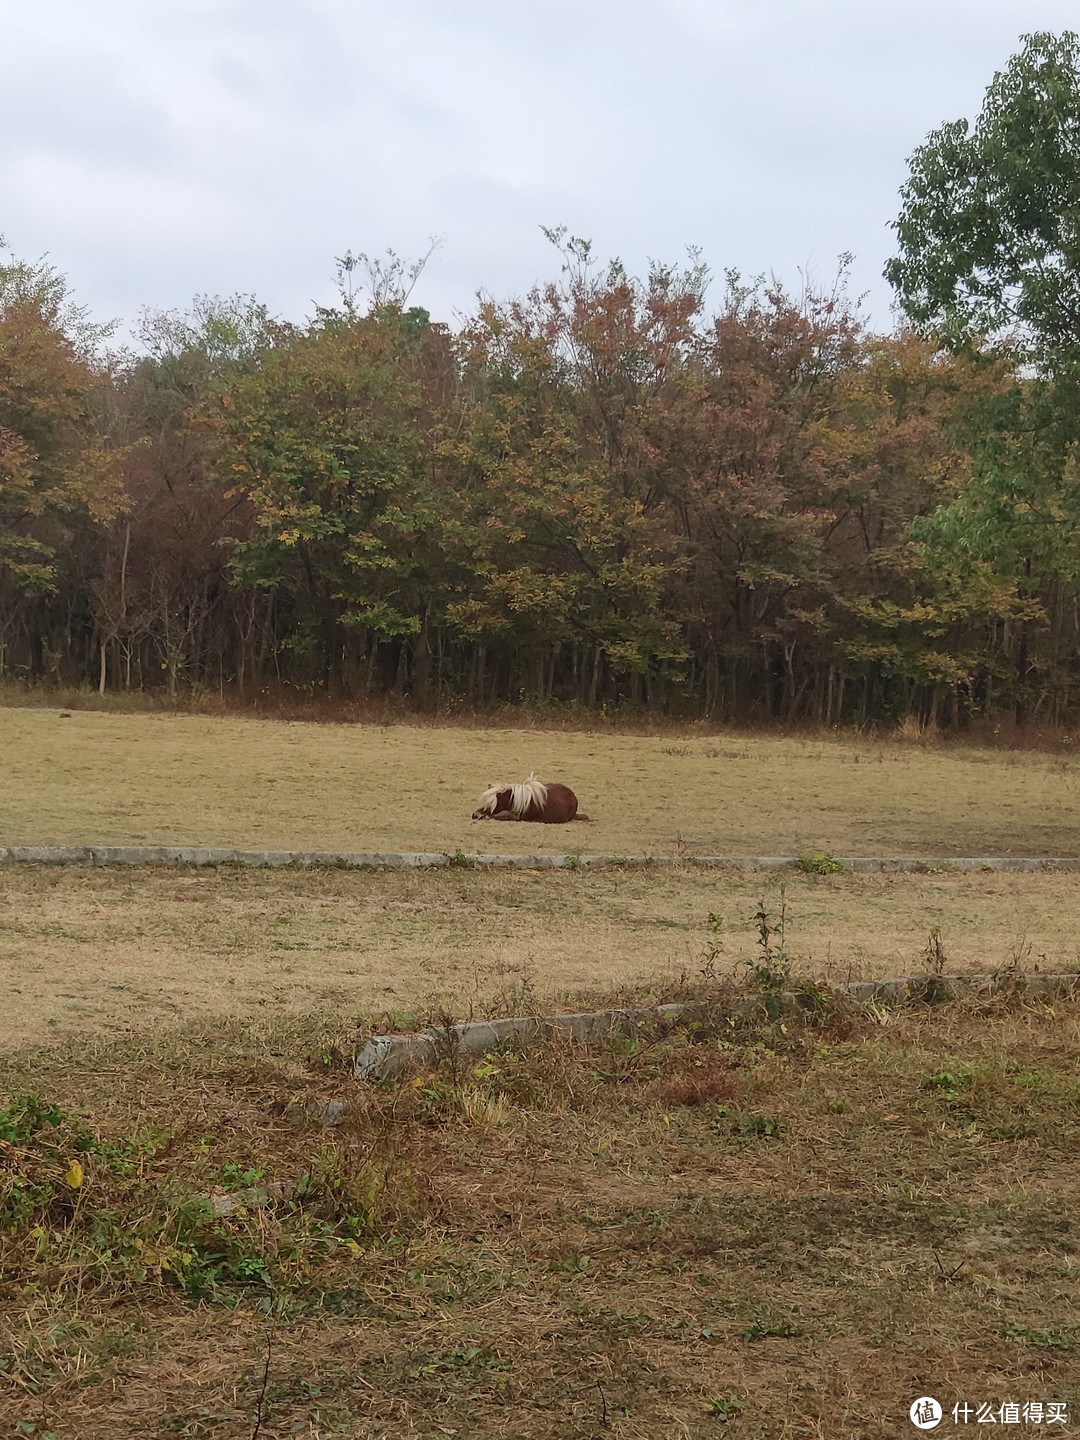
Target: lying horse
531,800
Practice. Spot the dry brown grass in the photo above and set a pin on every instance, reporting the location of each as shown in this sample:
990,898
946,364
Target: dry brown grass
119,950
777,1231
795,1230
166,778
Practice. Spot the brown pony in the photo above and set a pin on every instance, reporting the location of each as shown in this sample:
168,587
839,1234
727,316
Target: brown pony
531,800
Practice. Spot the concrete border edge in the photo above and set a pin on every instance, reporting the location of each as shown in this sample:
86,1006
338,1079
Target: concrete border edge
387,1057
420,860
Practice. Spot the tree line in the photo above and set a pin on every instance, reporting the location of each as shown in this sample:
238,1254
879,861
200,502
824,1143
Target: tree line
608,493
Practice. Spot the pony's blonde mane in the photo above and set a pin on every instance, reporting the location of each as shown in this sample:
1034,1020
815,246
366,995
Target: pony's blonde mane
530,792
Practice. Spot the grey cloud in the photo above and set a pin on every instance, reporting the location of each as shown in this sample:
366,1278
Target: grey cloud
160,150
65,101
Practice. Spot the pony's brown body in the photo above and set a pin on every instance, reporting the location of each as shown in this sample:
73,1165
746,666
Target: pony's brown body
553,804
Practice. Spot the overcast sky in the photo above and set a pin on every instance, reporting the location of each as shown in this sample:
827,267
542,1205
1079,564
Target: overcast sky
157,150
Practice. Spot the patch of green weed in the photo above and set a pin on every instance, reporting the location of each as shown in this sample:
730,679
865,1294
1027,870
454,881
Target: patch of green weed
820,862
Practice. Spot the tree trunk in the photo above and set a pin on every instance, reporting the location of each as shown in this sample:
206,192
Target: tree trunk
421,668
594,684
1023,662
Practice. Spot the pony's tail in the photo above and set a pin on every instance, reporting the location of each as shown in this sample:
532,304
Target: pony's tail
586,818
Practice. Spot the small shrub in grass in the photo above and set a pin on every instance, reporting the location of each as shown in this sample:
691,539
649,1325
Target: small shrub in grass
82,1224
820,862
461,1367
934,952
758,1127
771,967
817,1002
201,1255
1044,1339
626,1058
948,1083
86,1214
770,1330
745,1124
714,949
25,1115
365,1193
41,1172
726,1406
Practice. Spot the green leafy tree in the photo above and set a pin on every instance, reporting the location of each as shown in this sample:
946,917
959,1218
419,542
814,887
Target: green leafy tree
1006,549
989,229
989,261
906,612
328,440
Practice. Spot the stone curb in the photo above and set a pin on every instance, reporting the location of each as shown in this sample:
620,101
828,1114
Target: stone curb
386,1057
422,860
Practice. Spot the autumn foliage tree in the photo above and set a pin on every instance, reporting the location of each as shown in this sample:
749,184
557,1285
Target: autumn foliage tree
608,492
59,476
571,398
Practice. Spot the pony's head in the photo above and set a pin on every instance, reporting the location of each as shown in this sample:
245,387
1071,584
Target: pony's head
494,800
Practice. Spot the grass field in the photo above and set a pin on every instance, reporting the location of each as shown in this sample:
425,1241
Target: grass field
97,777
89,950
756,1231
762,1229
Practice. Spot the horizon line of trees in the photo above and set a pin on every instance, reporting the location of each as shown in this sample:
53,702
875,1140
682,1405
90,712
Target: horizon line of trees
602,493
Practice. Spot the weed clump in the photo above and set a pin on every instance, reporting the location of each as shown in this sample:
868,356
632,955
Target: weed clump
771,966
820,862
85,1212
